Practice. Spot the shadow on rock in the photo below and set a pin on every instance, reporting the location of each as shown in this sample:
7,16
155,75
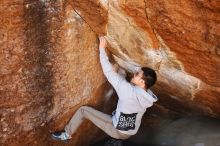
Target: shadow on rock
191,131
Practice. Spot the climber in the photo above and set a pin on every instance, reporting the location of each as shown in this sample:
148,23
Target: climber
134,97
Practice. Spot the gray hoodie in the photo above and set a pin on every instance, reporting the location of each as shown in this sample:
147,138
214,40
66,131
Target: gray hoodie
132,102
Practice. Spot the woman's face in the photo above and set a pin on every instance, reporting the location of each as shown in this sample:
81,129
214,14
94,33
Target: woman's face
137,78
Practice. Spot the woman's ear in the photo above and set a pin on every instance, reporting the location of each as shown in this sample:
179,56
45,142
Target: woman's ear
142,82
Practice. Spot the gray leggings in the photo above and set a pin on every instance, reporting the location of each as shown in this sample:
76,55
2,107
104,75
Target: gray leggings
101,120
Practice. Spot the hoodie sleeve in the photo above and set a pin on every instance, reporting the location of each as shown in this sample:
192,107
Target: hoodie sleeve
113,77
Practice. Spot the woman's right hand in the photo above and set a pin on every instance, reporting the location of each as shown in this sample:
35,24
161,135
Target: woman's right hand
102,42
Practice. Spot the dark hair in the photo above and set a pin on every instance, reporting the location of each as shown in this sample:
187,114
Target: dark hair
149,77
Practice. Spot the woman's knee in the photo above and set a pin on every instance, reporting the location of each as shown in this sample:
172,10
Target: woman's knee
82,108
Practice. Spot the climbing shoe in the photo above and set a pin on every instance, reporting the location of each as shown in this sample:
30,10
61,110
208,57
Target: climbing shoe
60,135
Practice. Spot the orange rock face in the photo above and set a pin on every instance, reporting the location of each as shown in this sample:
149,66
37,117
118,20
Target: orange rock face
49,66
191,31
49,63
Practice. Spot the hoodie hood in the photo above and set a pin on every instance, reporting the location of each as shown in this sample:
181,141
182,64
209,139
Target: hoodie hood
145,98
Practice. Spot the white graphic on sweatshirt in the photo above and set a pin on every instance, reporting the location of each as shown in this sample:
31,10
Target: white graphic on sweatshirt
126,121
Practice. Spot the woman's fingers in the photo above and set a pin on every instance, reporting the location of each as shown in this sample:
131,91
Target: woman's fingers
102,42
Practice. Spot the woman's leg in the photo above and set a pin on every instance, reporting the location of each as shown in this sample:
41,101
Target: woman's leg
101,120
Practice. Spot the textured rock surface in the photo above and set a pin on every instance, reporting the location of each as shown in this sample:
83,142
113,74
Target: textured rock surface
49,66
49,60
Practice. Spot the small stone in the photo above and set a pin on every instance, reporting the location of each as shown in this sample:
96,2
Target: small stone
27,5
2,119
20,70
42,124
5,129
48,63
12,110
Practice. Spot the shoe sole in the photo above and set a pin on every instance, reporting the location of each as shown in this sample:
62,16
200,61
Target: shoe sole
57,139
